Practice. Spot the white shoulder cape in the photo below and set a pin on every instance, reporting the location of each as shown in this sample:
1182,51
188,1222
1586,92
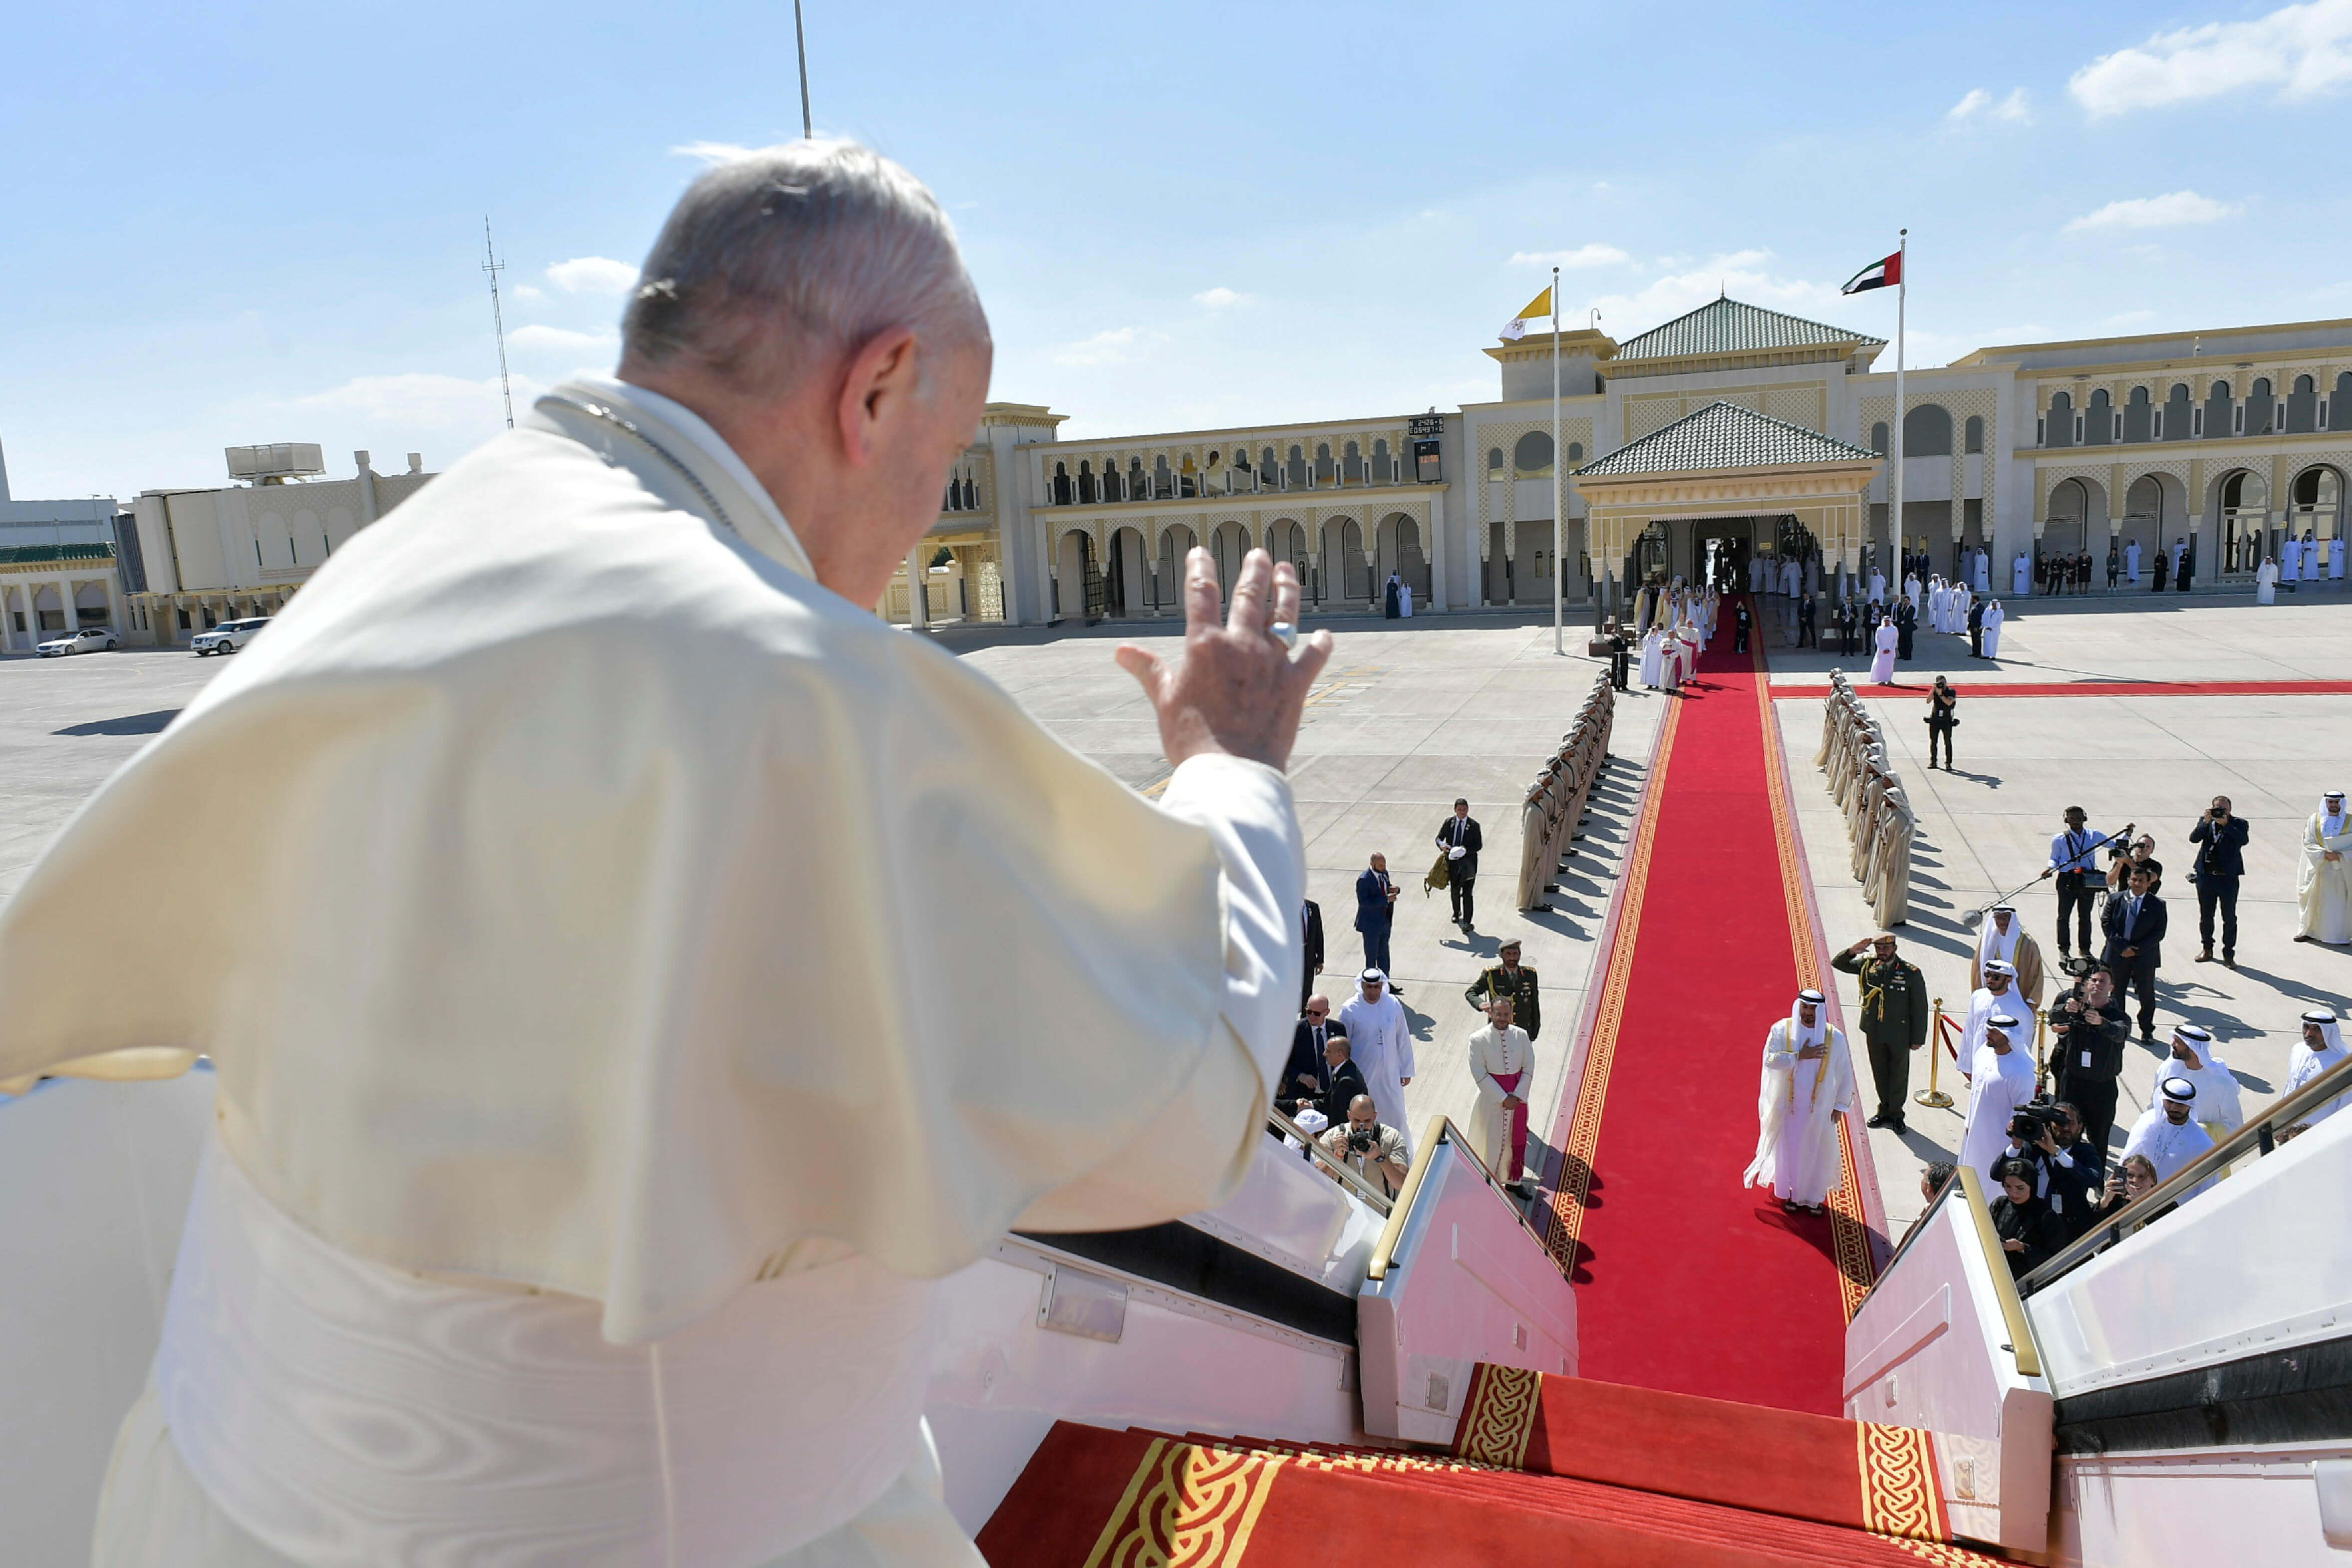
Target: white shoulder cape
572,891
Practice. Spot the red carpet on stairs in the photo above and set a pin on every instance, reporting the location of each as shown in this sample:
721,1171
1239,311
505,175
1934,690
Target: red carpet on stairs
1097,1499
1685,1280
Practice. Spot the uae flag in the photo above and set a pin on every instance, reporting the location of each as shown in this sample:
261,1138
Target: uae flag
1884,273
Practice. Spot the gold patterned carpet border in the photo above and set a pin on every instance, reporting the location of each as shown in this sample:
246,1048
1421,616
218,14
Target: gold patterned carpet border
1501,1418
1567,1209
1186,1507
1899,1491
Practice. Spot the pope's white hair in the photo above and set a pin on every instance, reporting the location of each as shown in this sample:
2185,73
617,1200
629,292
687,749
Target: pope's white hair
775,261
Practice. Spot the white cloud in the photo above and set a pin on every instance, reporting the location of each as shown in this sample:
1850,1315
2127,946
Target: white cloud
1979,104
422,401
2175,210
2302,50
1744,273
538,338
525,291
1217,299
1114,345
593,275
1593,255
711,152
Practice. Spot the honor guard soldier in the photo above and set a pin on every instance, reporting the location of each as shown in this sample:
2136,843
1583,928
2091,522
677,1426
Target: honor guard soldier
1894,1018
1512,982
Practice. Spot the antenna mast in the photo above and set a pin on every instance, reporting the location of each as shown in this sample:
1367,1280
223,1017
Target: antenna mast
800,43
493,266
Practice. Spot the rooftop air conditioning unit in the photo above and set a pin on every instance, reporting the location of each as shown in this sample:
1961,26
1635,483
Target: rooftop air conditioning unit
275,463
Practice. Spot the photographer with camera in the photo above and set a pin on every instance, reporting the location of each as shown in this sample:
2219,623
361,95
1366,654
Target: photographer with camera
2089,1030
1374,1149
2220,837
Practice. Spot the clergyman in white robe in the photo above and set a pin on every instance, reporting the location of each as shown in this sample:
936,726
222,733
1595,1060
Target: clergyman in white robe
650,973
1404,600
1882,662
1380,1038
1502,1065
1798,1155
1993,616
1654,648
2000,1078
2323,882
2320,1049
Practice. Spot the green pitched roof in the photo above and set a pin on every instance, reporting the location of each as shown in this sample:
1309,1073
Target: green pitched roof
1725,436
1730,327
28,554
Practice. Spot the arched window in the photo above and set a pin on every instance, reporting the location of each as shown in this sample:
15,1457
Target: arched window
2178,417
2302,406
1972,434
1878,438
1575,453
1494,462
1325,470
1138,487
1062,495
1383,466
2258,416
1531,458
2339,404
1297,468
1086,484
2220,414
1352,464
2098,419
2139,415
2059,429
1927,431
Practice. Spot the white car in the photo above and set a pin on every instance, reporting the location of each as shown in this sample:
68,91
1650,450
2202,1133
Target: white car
228,637
89,639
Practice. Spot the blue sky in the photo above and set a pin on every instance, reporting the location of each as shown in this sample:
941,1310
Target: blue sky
257,222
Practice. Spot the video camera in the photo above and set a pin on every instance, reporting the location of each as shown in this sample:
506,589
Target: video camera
2026,1122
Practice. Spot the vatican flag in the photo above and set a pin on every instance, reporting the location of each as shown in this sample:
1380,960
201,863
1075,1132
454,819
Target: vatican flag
1538,306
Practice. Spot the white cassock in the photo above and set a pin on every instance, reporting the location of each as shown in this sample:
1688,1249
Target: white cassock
1993,616
2168,1148
1404,600
1999,1082
1379,1039
1877,587
1796,1106
1882,663
648,964
2304,1063
2021,574
2131,560
1653,646
2323,886
2218,1105
2266,579
1506,1051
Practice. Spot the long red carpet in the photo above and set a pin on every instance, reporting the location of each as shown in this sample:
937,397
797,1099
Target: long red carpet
1686,1281
1970,688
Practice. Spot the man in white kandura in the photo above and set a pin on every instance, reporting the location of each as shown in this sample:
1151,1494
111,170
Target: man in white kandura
1381,1035
1993,616
2167,1134
2131,560
1883,641
2219,1109
2000,1078
2322,883
1997,994
1807,1079
2004,940
651,971
2266,582
2321,1049
1503,1065
2021,575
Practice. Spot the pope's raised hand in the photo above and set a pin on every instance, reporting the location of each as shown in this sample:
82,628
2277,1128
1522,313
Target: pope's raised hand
1237,688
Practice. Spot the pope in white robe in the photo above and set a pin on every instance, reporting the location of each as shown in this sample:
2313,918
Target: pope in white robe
1882,663
2168,1134
2320,1049
2000,1078
1404,600
1807,1079
1502,1065
2322,883
1380,1036
1993,617
1654,648
651,971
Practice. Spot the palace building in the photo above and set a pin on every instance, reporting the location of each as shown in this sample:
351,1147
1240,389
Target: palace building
1732,427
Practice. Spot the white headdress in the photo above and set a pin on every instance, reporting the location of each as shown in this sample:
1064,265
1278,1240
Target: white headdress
2331,1033
1800,1035
1996,946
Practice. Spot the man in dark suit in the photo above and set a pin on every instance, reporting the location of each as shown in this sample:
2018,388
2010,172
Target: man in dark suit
1460,833
1346,1079
2221,837
1808,614
1307,1075
1376,912
1906,622
1975,627
2135,926
1310,920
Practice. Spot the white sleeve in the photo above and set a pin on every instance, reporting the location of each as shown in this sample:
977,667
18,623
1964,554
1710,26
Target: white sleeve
1246,807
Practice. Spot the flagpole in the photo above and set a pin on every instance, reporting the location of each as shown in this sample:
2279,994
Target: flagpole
1558,476
1902,297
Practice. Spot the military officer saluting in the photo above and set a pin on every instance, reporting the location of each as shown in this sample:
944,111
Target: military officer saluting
1893,1019
1512,982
